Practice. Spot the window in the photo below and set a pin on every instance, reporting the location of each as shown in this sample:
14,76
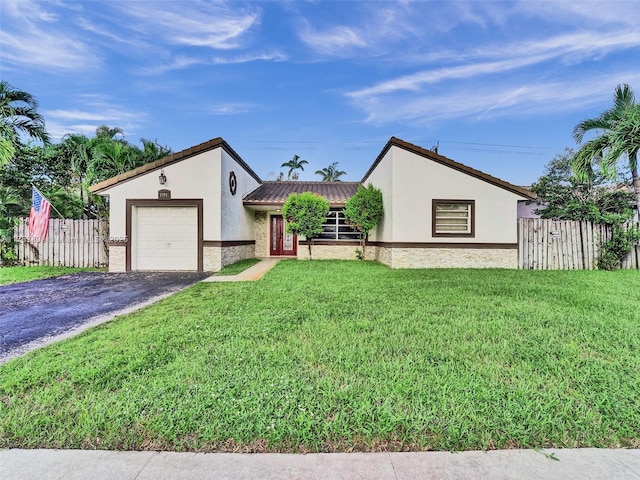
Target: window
335,227
453,218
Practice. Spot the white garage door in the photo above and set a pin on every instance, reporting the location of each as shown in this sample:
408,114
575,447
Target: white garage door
167,238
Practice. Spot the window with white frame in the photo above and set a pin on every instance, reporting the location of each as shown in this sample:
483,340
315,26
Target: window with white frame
335,227
453,218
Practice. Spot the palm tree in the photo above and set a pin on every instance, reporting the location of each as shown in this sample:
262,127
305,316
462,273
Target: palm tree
12,205
294,164
18,115
331,173
619,135
79,151
104,131
152,151
7,147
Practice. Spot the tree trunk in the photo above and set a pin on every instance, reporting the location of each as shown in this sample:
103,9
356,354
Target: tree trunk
364,245
635,179
310,248
636,188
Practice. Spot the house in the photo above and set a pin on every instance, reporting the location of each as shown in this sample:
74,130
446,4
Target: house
204,208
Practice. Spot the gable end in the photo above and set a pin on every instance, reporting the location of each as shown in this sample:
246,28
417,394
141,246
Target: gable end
523,192
174,158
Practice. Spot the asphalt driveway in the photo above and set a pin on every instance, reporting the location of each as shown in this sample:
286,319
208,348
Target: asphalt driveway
37,312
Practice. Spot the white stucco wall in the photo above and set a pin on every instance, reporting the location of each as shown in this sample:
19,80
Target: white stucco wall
414,181
193,178
237,221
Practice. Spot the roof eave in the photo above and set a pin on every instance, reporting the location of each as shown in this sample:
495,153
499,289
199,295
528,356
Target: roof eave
394,141
100,188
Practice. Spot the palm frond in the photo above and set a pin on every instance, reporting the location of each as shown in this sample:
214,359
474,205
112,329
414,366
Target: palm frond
623,97
599,123
589,154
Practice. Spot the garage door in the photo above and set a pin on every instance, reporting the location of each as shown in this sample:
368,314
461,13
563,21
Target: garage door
167,238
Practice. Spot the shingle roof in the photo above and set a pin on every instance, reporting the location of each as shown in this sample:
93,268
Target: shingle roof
451,164
276,193
173,158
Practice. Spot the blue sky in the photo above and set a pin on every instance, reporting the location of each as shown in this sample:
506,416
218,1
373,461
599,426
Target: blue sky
500,85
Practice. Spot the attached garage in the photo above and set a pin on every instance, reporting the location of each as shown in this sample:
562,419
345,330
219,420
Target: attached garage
183,212
166,238
165,235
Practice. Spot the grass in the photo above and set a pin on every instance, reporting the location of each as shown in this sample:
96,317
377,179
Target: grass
24,274
238,267
343,356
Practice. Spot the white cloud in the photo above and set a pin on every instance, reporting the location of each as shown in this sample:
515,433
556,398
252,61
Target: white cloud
31,36
572,48
477,101
502,77
588,14
62,37
374,29
27,10
95,112
336,41
194,23
253,57
182,61
414,81
231,108
58,130
86,24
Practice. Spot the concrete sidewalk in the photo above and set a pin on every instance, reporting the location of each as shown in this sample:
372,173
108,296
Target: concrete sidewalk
583,464
251,274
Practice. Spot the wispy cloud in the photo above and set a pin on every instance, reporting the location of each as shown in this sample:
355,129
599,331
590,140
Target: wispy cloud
371,31
95,111
335,41
109,34
63,37
252,57
31,36
491,100
181,62
565,48
231,108
196,23
505,76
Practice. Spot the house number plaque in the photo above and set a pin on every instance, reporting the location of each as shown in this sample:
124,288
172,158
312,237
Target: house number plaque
164,194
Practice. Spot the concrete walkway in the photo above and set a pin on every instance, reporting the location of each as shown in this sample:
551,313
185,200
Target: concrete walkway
251,274
583,464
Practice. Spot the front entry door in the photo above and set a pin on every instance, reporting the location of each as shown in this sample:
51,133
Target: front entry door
281,242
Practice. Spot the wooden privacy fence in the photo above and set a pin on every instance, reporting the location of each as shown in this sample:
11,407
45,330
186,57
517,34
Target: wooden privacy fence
545,244
70,243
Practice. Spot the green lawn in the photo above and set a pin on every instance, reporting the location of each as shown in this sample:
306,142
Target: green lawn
342,356
24,274
238,267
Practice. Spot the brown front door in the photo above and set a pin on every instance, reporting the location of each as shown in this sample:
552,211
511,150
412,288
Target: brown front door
281,242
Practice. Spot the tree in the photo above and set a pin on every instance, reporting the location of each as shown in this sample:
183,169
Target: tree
294,164
18,115
11,207
152,150
567,197
619,136
331,173
105,131
305,214
363,211
103,156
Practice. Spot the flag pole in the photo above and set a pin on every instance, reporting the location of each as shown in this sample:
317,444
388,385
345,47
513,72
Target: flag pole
42,195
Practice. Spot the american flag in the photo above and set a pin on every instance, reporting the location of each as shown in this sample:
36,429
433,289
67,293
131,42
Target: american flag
39,216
